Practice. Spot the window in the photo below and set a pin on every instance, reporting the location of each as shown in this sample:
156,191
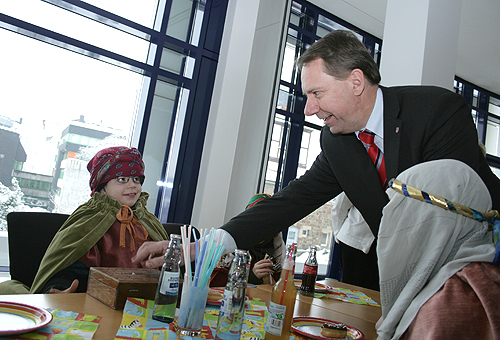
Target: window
324,238
100,73
485,108
295,138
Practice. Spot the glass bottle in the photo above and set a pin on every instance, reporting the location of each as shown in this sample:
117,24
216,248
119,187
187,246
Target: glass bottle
309,273
168,285
232,309
280,315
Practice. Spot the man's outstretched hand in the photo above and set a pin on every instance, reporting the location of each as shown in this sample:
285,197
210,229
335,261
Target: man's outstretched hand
150,254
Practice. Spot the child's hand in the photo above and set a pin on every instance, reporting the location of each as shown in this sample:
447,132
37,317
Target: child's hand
261,268
71,289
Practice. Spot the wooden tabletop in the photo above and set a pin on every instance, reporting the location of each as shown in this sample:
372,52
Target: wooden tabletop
79,303
358,316
362,317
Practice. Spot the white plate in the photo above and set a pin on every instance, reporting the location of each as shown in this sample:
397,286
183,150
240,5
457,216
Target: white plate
16,318
311,327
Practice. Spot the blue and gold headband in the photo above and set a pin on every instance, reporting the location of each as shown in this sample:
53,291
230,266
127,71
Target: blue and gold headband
492,216
410,191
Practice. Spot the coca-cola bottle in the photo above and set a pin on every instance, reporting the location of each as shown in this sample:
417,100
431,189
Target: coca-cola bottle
309,273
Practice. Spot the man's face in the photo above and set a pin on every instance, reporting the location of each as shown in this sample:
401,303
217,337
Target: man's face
336,102
125,190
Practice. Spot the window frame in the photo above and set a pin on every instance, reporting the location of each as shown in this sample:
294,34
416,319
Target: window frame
172,203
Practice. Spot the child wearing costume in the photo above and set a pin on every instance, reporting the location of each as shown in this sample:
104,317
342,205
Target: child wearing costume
106,231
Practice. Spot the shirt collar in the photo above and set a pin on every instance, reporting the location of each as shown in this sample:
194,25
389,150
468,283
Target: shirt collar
376,121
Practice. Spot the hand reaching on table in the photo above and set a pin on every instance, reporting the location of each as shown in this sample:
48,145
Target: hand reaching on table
71,289
150,254
262,268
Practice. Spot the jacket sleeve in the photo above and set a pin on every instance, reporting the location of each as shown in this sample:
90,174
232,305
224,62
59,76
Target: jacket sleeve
270,216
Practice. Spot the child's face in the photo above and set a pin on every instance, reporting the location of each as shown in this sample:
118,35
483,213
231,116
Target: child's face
125,190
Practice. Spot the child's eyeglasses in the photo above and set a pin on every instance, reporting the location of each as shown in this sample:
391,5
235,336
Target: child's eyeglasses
123,180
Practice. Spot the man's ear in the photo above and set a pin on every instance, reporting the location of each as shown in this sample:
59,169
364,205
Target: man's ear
358,81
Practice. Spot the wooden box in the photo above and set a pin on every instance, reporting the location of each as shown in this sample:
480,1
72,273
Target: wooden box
112,286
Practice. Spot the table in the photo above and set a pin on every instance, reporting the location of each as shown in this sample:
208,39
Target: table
362,317
358,316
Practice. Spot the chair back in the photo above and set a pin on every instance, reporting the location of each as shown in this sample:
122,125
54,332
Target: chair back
30,234
175,228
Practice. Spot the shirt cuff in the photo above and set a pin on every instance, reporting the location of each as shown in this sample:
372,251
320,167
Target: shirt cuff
228,241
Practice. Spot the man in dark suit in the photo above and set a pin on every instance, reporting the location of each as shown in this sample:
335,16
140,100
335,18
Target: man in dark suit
415,124
412,124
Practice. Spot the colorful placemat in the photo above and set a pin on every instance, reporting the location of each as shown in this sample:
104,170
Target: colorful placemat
64,325
347,295
137,323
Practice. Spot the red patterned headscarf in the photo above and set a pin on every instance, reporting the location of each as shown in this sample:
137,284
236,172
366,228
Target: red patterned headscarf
116,161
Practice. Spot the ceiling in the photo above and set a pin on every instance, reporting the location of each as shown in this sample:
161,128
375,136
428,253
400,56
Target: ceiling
478,58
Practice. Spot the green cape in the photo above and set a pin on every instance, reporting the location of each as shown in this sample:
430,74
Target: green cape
84,228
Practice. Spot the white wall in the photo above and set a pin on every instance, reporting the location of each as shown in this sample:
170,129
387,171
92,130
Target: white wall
425,51
240,112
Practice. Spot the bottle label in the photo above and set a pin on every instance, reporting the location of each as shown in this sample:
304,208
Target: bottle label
170,283
313,270
275,318
225,306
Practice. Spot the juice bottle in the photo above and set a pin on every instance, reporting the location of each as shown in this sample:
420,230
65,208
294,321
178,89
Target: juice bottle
280,315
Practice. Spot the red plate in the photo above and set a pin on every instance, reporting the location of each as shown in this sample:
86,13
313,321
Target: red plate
311,328
216,302
318,288
20,318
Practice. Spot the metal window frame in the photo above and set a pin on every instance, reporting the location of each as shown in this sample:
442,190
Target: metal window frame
206,55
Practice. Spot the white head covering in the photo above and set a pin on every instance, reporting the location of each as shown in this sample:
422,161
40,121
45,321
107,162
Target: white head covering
421,245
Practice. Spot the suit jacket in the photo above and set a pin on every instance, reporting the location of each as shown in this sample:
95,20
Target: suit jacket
421,123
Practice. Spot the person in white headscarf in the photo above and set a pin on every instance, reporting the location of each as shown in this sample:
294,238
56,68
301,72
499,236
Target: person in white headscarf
436,276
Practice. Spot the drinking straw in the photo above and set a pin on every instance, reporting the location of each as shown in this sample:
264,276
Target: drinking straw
196,255
207,255
202,255
185,246
218,253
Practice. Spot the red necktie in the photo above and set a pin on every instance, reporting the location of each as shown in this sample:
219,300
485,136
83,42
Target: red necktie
367,137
